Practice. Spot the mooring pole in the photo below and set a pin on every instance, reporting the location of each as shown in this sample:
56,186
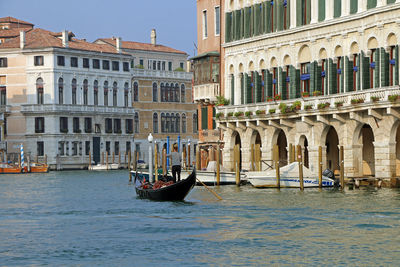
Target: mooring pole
275,155
341,158
320,167
218,162
300,161
155,160
90,160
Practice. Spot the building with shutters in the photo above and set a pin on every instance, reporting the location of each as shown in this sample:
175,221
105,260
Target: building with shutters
63,97
313,73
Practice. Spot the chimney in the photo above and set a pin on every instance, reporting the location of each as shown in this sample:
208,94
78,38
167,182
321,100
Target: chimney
153,37
118,44
22,39
65,38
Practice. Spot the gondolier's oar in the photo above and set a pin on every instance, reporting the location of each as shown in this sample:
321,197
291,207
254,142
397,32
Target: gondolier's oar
209,189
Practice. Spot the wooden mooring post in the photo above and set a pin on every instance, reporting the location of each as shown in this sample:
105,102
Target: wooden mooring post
275,156
113,157
90,160
300,161
237,165
258,157
102,158
218,163
290,153
320,167
252,157
156,161
341,159
198,163
107,160
129,166
119,159
189,163
164,161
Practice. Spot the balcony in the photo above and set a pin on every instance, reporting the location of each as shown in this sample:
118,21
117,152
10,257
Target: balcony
162,74
206,92
53,108
209,136
369,100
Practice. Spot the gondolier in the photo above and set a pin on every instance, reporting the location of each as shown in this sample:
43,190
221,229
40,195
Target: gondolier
176,159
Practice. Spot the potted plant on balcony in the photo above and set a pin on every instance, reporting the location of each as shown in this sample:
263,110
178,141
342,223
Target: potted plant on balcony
269,99
307,107
284,108
222,101
323,105
248,113
219,115
375,98
305,94
230,114
338,104
296,105
238,114
271,111
316,93
357,101
393,98
260,112
277,97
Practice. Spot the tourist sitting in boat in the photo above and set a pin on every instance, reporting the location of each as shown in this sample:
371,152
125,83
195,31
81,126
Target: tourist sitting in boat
176,162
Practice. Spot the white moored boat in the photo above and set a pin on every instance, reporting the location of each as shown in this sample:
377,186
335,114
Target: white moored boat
289,177
104,167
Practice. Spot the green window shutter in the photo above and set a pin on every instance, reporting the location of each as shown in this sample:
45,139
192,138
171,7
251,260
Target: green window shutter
279,82
214,125
247,90
377,71
337,8
298,87
318,78
308,15
396,65
299,13
257,19
332,77
321,10
279,15
204,118
268,84
247,19
353,6
242,80
384,68
358,75
349,75
241,34
232,102
227,27
282,84
258,87
365,71
252,15
371,4
267,16
274,6
313,66
287,14
294,83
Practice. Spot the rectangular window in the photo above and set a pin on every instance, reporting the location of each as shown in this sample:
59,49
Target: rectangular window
39,125
106,65
88,125
205,34
141,63
126,66
60,60
117,126
63,124
38,61
96,64
76,125
154,65
129,126
115,65
74,148
40,148
163,65
97,128
3,62
3,94
217,21
87,148
108,125
108,147
116,148
61,148
181,65
74,62
85,62
170,66
128,146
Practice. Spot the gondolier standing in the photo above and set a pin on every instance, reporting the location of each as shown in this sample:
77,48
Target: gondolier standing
176,159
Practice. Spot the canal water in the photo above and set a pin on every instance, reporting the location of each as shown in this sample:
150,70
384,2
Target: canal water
85,218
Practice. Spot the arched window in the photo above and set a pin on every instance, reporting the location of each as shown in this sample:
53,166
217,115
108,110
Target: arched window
195,123
155,123
155,92
73,85
167,88
167,123
60,91
183,93
39,91
177,123
136,122
176,93
96,93
162,122
115,94
85,91
184,123
135,92
126,94
162,92
105,89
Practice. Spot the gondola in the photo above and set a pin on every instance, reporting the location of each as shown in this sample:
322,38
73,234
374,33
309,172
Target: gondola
174,192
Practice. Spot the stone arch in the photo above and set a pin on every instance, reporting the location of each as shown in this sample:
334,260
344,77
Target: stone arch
274,62
330,138
354,48
391,39
231,4
304,54
322,53
237,140
303,142
395,138
364,157
372,43
286,60
338,51
241,68
280,138
251,66
262,65
231,69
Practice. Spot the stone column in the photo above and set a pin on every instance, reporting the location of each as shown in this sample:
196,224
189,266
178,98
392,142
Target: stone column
352,160
238,93
385,163
314,11
379,3
313,158
228,88
293,14
345,7
329,7
362,6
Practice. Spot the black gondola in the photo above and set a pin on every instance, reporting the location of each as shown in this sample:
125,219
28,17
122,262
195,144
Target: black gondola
175,192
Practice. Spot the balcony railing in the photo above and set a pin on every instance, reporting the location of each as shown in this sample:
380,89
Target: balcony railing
53,108
344,101
206,92
162,74
209,135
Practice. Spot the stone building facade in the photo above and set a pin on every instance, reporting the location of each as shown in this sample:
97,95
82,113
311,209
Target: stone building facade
314,73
